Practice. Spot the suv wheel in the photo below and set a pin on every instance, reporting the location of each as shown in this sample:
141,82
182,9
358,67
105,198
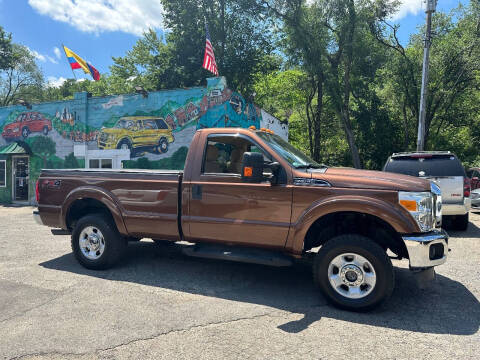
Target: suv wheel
125,144
96,242
162,147
25,132
354,273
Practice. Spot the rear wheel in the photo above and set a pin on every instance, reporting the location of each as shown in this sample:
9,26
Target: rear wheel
25,132
354,273
162,147
96,242
45,130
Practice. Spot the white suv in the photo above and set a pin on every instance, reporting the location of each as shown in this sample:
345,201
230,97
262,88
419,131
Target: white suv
443,168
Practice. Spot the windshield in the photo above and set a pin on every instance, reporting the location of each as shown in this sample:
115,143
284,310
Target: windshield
294,156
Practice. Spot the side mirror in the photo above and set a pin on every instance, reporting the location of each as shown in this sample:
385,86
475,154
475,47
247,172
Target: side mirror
252,167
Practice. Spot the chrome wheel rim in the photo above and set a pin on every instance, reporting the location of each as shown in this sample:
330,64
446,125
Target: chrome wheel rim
352,275
91,242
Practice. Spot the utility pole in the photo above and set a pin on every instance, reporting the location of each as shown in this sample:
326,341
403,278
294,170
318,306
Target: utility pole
430,9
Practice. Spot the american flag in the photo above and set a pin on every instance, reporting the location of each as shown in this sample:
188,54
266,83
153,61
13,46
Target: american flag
209,57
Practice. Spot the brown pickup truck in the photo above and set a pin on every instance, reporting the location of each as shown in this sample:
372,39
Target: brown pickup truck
248,195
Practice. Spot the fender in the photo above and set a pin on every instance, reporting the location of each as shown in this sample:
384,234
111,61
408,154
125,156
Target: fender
396,216
99,194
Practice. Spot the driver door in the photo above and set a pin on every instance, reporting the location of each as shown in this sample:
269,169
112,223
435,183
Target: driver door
225,209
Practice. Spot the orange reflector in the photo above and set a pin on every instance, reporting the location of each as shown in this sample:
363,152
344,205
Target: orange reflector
410,205
252,127
247,171
263,129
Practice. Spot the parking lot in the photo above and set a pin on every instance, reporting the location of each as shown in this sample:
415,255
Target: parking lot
161,304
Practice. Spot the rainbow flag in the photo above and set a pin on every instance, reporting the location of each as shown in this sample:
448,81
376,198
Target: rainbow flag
76,62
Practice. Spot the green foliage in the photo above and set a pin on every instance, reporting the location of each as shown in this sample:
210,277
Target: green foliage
43,146
6,58
71,162
21,79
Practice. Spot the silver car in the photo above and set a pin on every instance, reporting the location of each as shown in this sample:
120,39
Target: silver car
444,169
475,196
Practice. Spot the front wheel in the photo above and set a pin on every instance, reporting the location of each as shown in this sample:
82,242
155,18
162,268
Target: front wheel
125,144
96,242
354,273
162,147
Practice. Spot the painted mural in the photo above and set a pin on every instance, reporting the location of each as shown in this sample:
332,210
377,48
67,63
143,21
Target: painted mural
156,129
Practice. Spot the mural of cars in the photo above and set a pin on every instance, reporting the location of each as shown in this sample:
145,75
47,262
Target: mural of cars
137,133
25,124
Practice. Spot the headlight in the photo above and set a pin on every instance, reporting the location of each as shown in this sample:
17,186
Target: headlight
421,207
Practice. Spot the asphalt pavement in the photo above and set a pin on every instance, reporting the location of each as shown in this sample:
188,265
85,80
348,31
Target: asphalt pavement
160,304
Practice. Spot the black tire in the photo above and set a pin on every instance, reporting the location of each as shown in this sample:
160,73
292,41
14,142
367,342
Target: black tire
460,222
126,144
114,244
162,147
25,132
45,130
373,253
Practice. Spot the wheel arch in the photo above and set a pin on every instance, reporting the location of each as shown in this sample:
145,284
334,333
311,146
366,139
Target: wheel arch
370,217
88,200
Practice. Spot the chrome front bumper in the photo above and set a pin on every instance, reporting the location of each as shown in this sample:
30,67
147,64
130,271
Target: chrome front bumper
36,217
423,250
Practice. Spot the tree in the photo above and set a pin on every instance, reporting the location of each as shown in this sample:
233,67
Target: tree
44,147
453,78
21,79
6,56
71,162
322,37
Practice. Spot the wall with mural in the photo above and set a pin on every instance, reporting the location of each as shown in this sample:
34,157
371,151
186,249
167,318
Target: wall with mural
157,127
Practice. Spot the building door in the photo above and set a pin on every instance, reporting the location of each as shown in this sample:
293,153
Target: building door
20,178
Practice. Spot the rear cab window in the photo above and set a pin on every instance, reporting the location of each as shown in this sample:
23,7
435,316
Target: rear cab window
425,166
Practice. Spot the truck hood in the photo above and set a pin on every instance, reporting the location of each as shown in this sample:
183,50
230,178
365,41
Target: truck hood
368,179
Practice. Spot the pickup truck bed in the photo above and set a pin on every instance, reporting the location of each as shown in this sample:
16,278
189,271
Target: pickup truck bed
146,203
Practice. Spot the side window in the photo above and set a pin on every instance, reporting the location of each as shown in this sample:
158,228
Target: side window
161,124
224,154
129,125
149,125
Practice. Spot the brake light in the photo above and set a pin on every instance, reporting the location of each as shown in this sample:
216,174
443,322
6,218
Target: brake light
37,191
466,187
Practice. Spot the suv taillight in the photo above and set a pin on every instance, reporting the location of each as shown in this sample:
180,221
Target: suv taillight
37,191
466,187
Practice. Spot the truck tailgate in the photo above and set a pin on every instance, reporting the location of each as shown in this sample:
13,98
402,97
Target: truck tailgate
451,186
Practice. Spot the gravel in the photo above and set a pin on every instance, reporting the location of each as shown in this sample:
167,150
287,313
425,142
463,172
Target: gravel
160,304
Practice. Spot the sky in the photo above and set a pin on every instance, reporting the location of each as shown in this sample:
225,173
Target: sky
99,29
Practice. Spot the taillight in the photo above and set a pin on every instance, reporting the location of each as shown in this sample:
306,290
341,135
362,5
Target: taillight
37,191
466,187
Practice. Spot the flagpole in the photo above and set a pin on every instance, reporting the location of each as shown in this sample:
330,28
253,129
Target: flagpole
75,76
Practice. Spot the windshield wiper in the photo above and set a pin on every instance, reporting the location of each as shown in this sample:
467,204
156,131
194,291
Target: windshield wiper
311,166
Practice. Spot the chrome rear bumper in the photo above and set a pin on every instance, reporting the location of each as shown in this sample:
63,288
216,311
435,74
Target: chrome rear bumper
423,250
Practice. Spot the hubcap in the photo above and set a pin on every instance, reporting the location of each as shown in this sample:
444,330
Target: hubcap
91,242
351,275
